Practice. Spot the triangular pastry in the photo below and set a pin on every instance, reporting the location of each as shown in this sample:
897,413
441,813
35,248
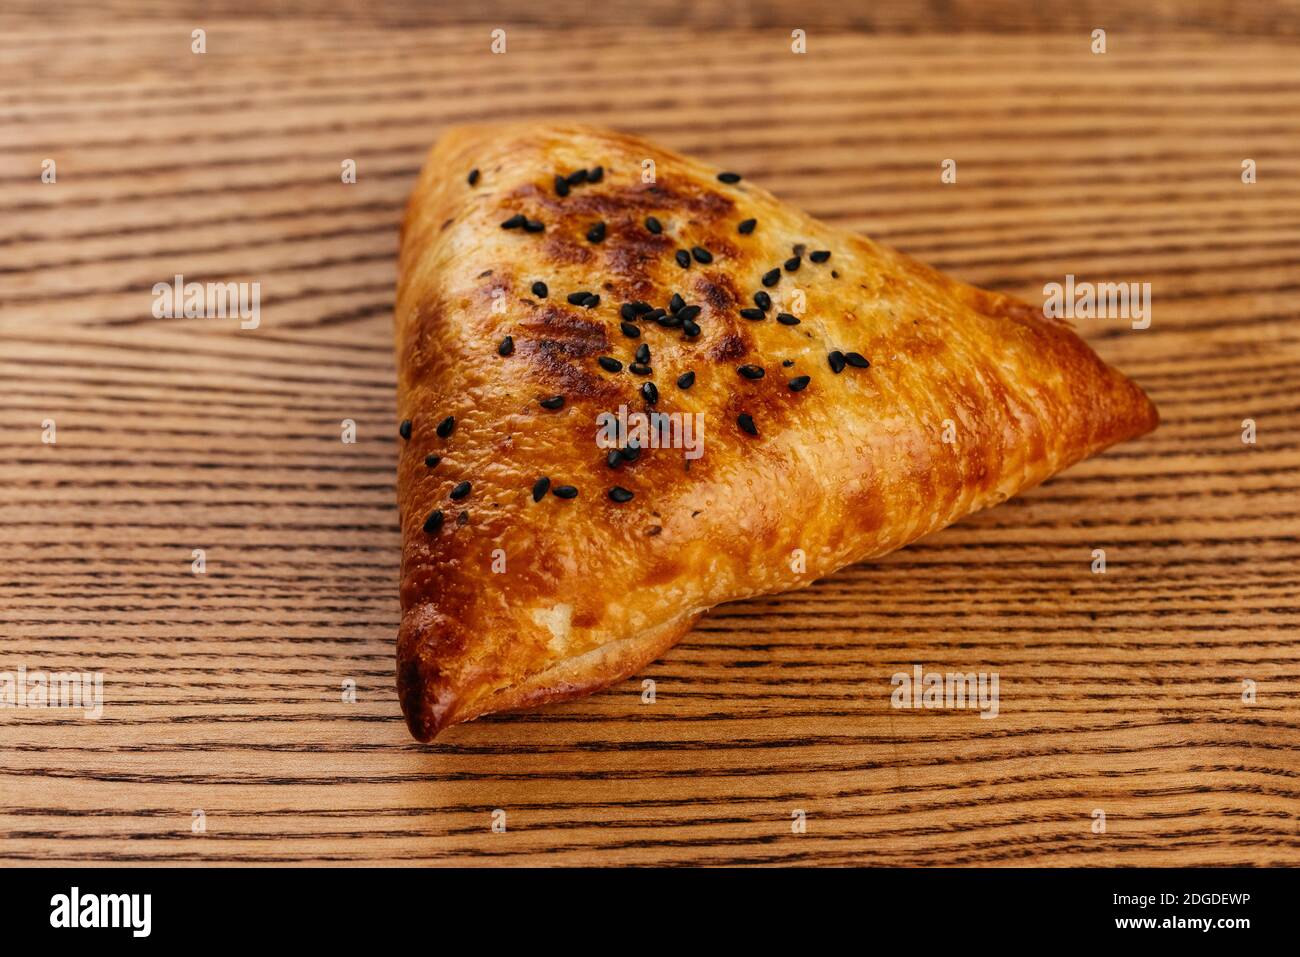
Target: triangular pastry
833,401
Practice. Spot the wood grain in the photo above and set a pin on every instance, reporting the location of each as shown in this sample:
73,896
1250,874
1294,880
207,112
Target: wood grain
1119,692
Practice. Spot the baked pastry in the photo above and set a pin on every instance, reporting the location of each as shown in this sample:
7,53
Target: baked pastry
834,399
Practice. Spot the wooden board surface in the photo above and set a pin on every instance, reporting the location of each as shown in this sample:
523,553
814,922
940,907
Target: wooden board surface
1120,693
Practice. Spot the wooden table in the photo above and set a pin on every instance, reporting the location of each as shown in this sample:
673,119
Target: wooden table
1121,693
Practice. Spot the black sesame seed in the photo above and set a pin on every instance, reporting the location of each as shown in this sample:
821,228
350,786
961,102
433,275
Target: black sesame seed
620,494
643,352
446,427
561,185
701,254
686,380
596,234
669,322
553,403
631,453
460,491
836,360
540,290
786,319
762,300
820,255
857,360
515,221
540,488
675,304
432,460
595,174
507,346
771,277
753,314
629,330
729,177
473,177
746,226
751,372
404,430
591,302
578,298
614,458
640,307
534,226
746,422
639,368
433,524
580,176
787,362
610,364
799,383
627,311
687,313
650,392
683,258
690,329
654,225
564,491
835,274
792,264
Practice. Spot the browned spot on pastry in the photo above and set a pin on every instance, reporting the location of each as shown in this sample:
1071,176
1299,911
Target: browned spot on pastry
730,346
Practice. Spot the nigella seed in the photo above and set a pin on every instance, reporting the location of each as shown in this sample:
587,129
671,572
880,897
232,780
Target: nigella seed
515,221
675,304
591,302
650,392
857,360
751,372
762,300
688,313
446,427
561,185
580,176
627,311
639,368
701,254
686,380
632,452
683,258
540,290
654,225
553,403
473,177
753,314
792,264
614,458
433,524
786,319
596,234
787,362
595,174
729,177
610,364
460,491
690,329
799,383
629,330
643,352
432,460
564,491
641,307
771,277
669,322
507,346
798,249
746,226
820,255
746,423
540,488
836,360
620,494
533,226
578,298
404,430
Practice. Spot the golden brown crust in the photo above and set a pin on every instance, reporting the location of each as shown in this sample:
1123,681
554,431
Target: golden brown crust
515,603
